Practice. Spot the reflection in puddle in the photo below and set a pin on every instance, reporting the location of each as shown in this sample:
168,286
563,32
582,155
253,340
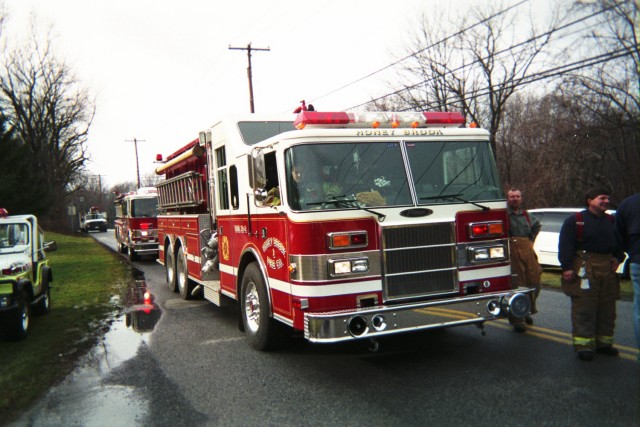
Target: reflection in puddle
83,398
142,313
132,329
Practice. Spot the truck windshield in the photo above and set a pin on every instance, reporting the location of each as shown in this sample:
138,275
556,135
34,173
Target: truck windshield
446,172
343,175
144,208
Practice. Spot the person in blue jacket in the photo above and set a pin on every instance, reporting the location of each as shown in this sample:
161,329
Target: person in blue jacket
628,233
589,256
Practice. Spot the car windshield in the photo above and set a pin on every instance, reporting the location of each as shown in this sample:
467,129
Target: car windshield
12,235
93,216
144,208
348,175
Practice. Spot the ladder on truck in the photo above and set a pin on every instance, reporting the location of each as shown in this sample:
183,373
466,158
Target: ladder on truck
182,191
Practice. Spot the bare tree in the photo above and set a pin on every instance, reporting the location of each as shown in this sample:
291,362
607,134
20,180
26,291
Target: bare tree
50,113
610,90
475,70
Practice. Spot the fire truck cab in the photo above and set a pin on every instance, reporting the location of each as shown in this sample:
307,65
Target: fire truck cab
136,222
340,225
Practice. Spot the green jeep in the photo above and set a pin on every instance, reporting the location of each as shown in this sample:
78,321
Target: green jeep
25,275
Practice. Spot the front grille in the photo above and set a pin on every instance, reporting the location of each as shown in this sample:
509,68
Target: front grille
419,261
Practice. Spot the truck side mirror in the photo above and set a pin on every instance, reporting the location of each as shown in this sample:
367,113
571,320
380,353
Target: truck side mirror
50,246
258,176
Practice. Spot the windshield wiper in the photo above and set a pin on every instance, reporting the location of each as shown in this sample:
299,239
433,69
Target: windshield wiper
344,202
455,197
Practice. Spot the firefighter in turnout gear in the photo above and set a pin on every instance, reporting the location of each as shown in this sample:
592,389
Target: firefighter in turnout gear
526,271
589,256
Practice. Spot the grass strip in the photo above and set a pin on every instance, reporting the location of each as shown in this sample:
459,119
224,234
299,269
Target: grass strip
86,277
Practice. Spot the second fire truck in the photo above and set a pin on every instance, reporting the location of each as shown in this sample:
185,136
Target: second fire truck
136,223
339,225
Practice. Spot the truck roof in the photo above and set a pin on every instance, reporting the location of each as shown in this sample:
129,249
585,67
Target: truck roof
18,218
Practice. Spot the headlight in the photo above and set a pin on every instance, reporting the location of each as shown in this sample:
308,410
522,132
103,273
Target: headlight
341,267
486,253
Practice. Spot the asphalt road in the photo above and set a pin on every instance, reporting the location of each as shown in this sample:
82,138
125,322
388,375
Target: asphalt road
195,368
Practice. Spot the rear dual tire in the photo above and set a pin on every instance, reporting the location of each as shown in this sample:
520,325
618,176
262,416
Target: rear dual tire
185,286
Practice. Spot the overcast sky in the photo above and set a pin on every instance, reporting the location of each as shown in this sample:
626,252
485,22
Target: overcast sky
162,71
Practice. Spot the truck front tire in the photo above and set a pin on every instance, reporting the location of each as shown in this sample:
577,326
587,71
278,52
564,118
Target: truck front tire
44,305
20,319
263,332
133,256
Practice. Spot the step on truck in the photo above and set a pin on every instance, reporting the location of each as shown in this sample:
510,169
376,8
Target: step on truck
341,226
136,222
25,274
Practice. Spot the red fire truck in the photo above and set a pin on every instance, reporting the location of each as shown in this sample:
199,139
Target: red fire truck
339,225
136,224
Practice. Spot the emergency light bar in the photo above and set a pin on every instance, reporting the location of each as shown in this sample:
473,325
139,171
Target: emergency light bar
374,120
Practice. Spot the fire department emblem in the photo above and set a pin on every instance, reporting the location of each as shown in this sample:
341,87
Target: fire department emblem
275,252
225,248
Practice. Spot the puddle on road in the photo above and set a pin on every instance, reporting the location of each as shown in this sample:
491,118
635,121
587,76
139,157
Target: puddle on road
83,398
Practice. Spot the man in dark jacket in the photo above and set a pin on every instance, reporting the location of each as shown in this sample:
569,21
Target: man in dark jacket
589,257
628,232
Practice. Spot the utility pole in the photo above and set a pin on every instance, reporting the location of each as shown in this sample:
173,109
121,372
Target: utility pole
249,49
135,143
100,189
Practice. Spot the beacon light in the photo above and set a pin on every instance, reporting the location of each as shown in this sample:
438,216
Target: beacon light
378,119
444,118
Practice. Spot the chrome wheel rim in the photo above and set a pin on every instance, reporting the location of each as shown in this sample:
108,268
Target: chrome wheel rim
171,273
182,275
25,318
252,307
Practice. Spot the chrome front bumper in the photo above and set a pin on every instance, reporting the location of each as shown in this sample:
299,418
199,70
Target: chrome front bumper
145,248
372,322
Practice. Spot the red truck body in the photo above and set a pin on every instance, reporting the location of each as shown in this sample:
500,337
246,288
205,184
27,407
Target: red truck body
410,233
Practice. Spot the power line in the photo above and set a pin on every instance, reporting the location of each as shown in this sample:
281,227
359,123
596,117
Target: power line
421,50
547,74
478,61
